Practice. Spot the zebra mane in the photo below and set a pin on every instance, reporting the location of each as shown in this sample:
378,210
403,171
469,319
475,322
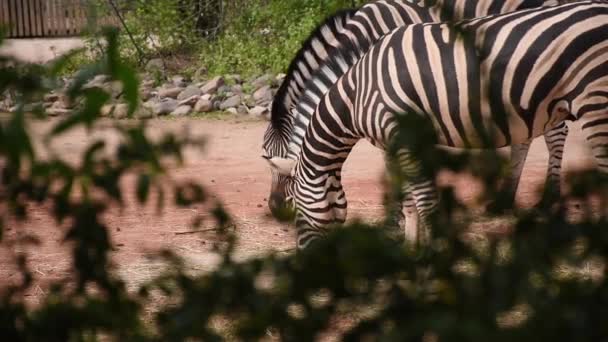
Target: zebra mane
341,61
333,23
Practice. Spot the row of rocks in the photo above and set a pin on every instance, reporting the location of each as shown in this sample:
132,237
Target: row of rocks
177,96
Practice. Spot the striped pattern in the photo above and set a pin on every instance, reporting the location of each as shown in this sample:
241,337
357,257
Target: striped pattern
514,77
366,26
315,50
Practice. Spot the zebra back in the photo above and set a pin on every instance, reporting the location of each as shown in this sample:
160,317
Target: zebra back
314,51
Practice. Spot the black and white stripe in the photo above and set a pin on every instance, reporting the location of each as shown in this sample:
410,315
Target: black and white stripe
521,75
365,27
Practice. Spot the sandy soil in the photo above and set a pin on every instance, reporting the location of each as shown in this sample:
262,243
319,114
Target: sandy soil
232,169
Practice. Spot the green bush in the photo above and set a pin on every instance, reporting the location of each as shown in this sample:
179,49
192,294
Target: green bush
263,36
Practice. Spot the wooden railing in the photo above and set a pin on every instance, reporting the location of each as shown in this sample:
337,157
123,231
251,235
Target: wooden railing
46,18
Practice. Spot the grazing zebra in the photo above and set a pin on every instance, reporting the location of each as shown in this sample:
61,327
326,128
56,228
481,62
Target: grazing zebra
359,30
509,77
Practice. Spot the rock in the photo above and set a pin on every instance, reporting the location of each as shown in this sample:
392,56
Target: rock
237,89
258,111
207,97
97,81
166,106
232,110
203,106
148,84
200,73
263,94
280,77
121,111
28,107
233,101
52,97
106,109
63,102
242,109
189,92
249,101
182,110
179,81
155,64
189,101
144,113
225,90
172,92
53,111
261,81
212,86
145,94
114,88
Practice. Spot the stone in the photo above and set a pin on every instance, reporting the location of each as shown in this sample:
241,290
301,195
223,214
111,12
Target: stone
189,92
155,64
52,97
53,111
144,113
106,109
200,73
231,102
261,81
263,94
249,101
172,92
148,84
237,89
182,110
258,111
145,94
207,97
232,110
280,77
225,90
165,106
28,107
189,101
212,86
98,81
242,109
121,111
203,106
179,81
63,101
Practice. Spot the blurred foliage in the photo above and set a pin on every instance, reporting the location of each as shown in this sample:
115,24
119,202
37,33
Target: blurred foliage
544,279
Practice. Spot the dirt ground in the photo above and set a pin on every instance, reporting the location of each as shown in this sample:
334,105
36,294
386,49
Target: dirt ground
232,169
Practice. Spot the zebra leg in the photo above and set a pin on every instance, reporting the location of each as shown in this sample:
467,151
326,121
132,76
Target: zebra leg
399,206
423,192
555,140
519,153
595,130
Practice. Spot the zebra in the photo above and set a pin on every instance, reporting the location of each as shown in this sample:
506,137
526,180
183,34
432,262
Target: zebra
516,76
358,30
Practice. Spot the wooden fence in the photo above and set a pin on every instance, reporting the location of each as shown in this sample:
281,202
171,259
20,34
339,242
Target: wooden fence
46,18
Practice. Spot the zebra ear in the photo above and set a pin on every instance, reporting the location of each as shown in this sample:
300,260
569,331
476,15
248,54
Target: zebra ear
284,166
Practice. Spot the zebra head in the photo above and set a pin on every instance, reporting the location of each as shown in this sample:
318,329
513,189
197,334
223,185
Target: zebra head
275,148
313,220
